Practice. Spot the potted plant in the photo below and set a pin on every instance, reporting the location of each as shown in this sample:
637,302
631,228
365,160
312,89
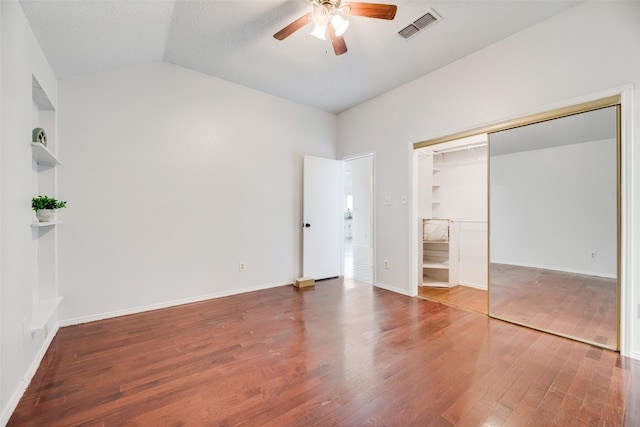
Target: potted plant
45,207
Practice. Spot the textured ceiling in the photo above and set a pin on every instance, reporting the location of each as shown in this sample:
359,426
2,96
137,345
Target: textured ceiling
233,40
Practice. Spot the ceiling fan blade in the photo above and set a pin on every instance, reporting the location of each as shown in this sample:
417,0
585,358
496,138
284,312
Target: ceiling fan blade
339,46
371,10
293,27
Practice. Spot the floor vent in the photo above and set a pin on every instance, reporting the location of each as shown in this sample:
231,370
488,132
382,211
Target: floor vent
419,24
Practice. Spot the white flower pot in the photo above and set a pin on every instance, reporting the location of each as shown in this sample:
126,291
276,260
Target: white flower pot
46,215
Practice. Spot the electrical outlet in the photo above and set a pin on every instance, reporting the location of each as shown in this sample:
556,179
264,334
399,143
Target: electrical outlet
592,254
387,200
403,199
386,264
241,266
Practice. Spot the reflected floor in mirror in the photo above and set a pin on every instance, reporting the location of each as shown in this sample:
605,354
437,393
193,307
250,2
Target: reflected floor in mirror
460,296
570,304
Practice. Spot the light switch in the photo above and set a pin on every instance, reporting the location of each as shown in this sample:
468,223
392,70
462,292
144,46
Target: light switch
403,199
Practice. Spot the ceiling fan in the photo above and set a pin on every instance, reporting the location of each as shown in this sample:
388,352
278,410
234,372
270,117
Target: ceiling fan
326,15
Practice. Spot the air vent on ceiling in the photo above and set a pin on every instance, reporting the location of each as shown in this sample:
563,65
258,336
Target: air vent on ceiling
419,24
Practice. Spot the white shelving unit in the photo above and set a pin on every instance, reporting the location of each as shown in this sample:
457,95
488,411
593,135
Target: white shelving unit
436,186
435,264
438,262
45,246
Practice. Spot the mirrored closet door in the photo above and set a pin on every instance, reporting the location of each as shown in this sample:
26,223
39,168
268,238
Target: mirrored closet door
554,226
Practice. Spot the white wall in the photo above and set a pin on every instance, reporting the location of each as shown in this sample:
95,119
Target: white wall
20,351
582,52
551,207
172,179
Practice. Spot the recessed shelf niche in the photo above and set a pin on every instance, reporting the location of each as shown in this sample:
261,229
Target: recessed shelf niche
44,235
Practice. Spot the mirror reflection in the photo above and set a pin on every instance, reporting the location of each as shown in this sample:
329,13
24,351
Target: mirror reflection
553,215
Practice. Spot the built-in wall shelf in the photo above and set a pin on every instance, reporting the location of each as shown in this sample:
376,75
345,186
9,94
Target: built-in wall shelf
42,312
437,189
44,224
45,173
437,254
43,156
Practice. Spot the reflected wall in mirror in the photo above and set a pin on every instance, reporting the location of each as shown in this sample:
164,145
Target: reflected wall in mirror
553,226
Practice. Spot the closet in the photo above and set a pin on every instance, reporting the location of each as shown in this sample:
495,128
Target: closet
452,204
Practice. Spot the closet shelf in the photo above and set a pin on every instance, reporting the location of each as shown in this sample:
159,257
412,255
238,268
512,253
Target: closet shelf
428,281
435,264
43,156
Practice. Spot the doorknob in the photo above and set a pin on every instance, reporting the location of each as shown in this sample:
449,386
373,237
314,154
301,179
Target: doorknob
307,225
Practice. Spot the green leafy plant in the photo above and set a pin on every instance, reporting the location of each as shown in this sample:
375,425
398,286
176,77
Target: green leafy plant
44,202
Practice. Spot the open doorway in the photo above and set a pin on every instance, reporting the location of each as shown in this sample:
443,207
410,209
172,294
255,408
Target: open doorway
452,207
358,218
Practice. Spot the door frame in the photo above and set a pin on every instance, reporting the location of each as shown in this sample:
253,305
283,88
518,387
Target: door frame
371,154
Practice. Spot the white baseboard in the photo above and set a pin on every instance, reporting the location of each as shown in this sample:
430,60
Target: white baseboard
473,285
28,376
167,304
392,289
635,355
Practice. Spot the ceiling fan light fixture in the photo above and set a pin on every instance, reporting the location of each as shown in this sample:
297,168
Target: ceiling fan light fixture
321,14
325,17
339,24
319,31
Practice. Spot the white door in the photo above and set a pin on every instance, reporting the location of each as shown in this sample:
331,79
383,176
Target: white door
322,218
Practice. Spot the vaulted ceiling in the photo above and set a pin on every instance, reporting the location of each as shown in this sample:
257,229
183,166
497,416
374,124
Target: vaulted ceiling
233,40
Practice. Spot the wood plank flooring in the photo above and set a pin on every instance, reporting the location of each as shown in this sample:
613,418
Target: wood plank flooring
464,297
571,304
342,354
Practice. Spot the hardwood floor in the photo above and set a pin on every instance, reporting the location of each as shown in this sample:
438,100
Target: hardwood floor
459,296
343,354
570,304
